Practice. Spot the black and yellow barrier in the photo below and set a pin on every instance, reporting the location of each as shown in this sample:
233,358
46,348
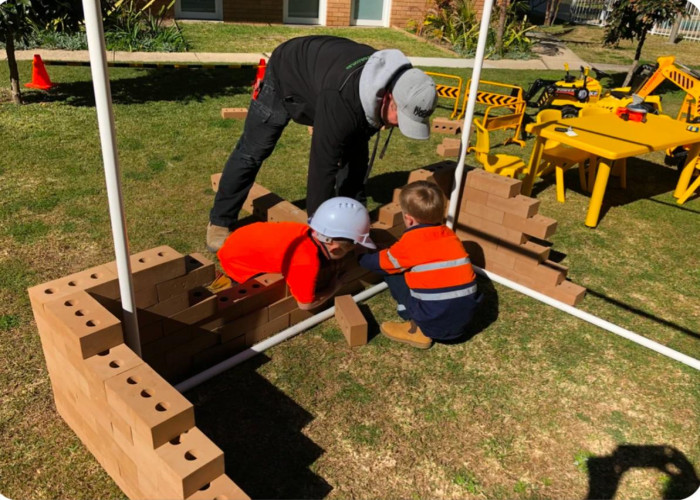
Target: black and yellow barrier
448,91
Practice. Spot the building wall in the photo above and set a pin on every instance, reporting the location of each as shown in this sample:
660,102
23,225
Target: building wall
403,11
338,13
258,11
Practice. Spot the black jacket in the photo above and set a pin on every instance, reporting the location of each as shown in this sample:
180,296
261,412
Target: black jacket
318,78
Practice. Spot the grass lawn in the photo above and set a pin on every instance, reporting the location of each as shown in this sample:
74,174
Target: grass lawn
587,43
537,404
216,37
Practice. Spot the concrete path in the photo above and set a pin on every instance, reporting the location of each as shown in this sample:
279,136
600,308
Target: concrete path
550,55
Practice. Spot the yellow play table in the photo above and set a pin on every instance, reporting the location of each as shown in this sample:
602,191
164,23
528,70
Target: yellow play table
610,138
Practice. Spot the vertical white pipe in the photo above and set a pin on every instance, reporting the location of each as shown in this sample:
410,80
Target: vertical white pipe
469,116
105,121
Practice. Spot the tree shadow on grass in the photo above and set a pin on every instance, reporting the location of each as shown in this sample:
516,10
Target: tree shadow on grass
259,430
178,85
605,473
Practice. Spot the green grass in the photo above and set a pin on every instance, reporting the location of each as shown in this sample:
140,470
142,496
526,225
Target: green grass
211,37
516,412
587,43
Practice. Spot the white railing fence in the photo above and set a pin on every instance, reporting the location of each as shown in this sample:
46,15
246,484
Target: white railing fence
596,12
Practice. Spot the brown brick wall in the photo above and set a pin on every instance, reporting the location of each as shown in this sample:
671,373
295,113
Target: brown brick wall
338,13
259,11
403,11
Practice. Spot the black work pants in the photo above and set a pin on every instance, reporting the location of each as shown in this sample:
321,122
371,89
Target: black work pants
264,124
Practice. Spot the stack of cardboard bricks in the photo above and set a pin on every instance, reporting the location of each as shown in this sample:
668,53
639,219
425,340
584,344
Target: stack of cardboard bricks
140,429
121,406
502,231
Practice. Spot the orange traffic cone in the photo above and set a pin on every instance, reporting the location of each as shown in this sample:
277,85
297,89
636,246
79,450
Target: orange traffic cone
259,78
40,78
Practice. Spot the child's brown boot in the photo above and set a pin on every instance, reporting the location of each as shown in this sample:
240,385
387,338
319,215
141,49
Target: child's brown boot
406,332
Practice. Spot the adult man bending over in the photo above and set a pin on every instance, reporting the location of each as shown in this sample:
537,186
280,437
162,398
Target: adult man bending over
347,91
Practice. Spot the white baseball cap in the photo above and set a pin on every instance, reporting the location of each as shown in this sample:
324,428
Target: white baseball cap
415,96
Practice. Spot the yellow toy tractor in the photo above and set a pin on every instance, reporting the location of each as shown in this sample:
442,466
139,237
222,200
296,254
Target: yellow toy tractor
569,95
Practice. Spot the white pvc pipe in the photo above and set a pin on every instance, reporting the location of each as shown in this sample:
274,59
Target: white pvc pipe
469,115
606,325
105,121
239,358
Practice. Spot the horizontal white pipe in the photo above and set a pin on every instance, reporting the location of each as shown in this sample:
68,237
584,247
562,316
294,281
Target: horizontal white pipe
217,369
606,325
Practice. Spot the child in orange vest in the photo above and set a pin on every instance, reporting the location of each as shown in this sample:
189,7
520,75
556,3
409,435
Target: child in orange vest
428,272
298,251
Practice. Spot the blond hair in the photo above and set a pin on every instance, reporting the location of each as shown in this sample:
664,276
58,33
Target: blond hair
424,201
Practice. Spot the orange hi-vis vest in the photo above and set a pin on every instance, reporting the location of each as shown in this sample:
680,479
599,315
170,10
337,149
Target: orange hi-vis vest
433,259
274,247
441,282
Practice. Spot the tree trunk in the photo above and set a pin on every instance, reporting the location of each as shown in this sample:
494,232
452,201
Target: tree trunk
673,36
637,56
14,73
547,12
502,14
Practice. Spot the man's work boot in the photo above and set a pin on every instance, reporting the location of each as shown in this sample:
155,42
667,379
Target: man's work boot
216,235
406,332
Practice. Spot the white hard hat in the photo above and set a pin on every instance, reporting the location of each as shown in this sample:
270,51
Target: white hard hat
343,217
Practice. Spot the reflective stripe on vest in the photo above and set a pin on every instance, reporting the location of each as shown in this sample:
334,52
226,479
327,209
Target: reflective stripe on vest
440,265
444,295
393,260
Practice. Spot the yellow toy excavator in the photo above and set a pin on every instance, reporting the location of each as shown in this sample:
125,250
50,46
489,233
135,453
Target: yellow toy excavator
569,95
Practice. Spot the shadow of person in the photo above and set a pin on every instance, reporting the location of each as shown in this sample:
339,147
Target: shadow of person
259,430
150,85
486,313
605,473
381,187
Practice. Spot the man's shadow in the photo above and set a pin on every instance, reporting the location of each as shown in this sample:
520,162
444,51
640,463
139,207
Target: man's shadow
605,473
259,430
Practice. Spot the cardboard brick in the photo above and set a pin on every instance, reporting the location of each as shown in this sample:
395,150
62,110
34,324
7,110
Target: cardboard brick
543,274
522,206
146,298
171,306
215,354
447,151
259,334
98,278
195,313
396,196
496,185
285,211
299,315
189,462
490,228
86,326
107,364
215,179
351,321
262,204
483,211
155,411
390,214
452,143
222,488
537,226
446,126
229,329
256,191
247,297
234,113
441,173
381,234
568,293
473,195
500,258
310,130
281,307
528,251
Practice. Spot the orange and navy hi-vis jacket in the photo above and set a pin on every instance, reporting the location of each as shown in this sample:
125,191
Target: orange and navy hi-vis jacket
439,274
274,247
